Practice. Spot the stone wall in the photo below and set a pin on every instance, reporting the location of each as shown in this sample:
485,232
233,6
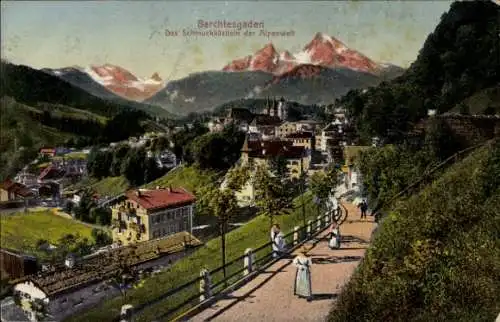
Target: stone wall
473,129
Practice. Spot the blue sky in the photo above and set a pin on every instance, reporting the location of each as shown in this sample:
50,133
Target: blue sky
131,34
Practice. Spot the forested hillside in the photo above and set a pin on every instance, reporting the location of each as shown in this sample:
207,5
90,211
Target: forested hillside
436,256
459,59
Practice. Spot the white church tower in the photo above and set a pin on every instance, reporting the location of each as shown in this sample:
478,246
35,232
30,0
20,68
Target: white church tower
282,109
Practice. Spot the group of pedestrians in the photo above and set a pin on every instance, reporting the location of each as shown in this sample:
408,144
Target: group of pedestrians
302,284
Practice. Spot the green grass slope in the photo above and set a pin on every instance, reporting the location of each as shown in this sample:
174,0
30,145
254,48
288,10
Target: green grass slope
189,177
22,231
253,234
436,256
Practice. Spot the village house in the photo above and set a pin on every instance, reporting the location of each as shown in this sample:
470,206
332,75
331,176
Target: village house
351,154
303,139
141,215
82,283
166,159
26,178
215,125
241,117
50,152
264,125
14,191
331,135
261,152
308,126
286,128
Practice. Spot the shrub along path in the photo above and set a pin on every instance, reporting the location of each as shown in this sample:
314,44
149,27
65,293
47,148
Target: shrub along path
269,296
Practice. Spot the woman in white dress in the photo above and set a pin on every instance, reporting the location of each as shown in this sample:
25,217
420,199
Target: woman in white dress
302,286
334,238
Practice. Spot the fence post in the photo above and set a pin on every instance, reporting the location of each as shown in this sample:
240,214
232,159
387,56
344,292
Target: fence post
248,262
205,285
296,235
309,227
318,223
126,313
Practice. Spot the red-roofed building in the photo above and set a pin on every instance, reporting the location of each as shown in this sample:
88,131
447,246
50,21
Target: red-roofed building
11,191
258,152
48,152
141,215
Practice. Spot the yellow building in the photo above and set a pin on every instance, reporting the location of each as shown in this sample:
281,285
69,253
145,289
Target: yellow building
302,139
142,215
286,128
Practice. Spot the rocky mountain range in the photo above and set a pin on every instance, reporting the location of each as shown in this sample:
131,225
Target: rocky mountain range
323,50
324,70
115,79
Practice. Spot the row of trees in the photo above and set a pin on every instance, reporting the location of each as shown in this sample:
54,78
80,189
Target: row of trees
74,244
133,163
274,193
389,170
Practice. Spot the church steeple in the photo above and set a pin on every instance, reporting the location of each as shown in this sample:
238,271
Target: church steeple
245,148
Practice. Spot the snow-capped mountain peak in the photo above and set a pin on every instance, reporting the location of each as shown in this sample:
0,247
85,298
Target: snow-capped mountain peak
117,80
322,50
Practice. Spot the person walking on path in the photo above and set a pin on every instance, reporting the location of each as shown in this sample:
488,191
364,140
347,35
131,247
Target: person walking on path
364,207
302,287
278,241
334,236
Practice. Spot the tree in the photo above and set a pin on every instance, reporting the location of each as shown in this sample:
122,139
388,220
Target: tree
82,211
101,238
322,184
221,203
100,216
151,170
99,163
119,154
278,166
217,151
464,109
124,276
133,167
272,197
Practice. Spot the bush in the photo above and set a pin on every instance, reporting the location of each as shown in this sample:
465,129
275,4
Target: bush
437,255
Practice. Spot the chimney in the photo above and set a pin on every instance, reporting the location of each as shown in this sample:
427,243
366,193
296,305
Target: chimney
169,189
138,193
157,187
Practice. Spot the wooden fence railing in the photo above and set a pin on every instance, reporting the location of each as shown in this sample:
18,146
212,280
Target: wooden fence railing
211,283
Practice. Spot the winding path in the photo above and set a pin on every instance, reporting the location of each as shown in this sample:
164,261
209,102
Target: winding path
269,296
